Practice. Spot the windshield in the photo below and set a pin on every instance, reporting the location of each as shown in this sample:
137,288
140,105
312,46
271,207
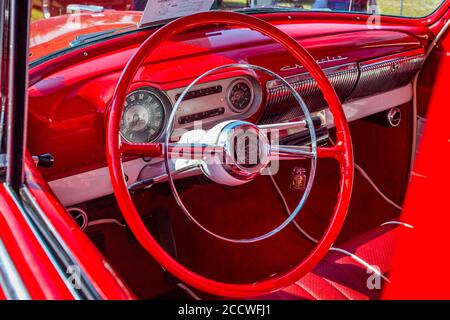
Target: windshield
59,25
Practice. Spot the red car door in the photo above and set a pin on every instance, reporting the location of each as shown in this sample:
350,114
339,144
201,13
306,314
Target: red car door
41,257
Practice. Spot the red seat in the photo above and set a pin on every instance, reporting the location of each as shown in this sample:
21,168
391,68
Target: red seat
339,276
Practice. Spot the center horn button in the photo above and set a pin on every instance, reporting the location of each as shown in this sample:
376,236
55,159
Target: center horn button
246,153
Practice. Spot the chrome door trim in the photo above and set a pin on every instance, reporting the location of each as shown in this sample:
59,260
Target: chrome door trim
55,247
11,282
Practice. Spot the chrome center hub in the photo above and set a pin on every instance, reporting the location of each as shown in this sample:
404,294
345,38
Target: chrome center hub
246,153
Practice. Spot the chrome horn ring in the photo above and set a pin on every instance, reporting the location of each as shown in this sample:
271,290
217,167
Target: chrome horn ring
310,125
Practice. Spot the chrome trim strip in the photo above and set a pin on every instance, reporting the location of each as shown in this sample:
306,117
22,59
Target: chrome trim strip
55,248
414,126
40,238
52,244
327,59
438,38
10,281
390,59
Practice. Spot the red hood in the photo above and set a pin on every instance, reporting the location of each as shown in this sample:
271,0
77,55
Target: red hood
50,35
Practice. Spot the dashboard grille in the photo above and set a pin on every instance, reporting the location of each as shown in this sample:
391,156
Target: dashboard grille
282,106
350,81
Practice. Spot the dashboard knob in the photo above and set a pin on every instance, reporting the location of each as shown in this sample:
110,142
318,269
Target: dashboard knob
44,160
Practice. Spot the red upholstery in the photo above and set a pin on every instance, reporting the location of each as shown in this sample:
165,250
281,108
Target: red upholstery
339,276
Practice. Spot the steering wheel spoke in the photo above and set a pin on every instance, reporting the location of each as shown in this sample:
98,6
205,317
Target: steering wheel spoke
190,151
152,150
336,152
193,151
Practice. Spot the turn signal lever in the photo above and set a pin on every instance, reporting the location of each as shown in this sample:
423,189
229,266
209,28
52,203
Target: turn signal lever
302,137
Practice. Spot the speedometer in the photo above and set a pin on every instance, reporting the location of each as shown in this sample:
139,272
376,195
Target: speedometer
143,116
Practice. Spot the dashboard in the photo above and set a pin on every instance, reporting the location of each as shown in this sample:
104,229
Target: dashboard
236,97
371,71
146,108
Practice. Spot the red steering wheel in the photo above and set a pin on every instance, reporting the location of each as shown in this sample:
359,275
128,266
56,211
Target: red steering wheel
116,149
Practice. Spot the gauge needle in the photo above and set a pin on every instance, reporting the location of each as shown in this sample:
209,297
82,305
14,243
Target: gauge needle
134,122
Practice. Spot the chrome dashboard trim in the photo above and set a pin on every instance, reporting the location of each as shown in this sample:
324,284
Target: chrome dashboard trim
217,100
319,61
280,103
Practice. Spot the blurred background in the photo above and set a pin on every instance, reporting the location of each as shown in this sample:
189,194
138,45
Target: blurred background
409,8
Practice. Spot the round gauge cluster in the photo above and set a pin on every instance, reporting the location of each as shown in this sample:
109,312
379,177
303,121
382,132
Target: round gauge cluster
143,116
240,96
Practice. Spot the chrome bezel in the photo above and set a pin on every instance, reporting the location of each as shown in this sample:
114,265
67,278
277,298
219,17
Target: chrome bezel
250,84
391,116
165,102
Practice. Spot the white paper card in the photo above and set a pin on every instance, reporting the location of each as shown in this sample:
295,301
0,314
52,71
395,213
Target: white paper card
161,10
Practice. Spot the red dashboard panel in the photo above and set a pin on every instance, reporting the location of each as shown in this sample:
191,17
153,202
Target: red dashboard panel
69,95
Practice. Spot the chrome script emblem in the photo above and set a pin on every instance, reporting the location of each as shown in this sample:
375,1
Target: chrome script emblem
319,61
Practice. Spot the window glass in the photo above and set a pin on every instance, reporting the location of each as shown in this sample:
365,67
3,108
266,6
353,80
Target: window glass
59,25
